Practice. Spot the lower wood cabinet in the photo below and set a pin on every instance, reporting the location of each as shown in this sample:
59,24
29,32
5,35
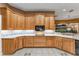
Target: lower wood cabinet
11,45
39,41
28,42
8,46
18,42
51,41
58,42
69,45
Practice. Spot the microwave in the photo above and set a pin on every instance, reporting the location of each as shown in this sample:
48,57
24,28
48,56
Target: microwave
39,28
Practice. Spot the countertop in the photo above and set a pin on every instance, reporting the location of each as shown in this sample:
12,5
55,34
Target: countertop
17,33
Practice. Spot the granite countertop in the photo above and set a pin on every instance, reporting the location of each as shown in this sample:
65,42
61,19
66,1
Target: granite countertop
16,33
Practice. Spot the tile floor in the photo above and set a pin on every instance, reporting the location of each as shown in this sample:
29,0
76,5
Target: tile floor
41,52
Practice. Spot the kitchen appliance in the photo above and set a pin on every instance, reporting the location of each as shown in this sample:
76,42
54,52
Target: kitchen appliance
39,30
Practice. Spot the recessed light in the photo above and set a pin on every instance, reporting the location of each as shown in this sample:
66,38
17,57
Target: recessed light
64,9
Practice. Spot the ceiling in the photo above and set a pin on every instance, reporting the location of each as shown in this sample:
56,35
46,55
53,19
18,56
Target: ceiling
62,10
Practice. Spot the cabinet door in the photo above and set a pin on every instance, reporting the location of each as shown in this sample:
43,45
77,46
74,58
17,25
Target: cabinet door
18,43
28,42
58,42
30,23
8,46
40,42
39,19
4,18
69,45
47,22
52,23
20,22
11,20
51,41
26,23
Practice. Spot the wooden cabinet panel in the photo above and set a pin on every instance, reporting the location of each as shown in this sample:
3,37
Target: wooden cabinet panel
52,23
47,23
28,42
26,23
30,23
39,19
20,22
4,18
18,43
58,42
69,45
40,41
11,20
51,41
8,46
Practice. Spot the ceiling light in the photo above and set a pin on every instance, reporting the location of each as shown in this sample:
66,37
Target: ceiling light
64,10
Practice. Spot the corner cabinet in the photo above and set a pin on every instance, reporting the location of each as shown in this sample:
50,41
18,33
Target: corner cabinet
8,46
69,45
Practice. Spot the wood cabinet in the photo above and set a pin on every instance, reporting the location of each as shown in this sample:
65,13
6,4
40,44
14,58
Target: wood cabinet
51,42
29,23
28,41
69,45
40,41
58,42
52,23
3,12
18,42
39,19
49,23
8,46
14,19
20,22
46,23
11,20
11,45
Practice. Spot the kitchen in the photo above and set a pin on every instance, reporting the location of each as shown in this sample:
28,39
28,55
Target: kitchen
38,30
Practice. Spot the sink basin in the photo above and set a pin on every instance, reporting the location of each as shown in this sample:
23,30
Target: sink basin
39,33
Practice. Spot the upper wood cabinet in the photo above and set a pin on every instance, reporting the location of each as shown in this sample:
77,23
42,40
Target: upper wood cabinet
19,21
39,19
49,23
11,20
29,23
52,23
3,13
